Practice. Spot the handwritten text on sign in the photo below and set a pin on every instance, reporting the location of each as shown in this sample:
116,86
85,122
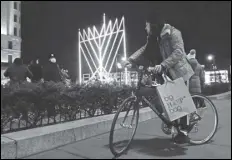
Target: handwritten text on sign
174,105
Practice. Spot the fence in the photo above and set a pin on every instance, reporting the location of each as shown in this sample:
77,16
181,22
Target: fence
27,120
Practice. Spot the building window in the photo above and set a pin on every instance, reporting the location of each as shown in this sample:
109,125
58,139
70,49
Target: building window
19,19
15,31
10,45
10,58
15,18
15,5
19,32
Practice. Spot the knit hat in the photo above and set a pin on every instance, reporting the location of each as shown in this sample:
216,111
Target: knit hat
192,54
51,56
155,17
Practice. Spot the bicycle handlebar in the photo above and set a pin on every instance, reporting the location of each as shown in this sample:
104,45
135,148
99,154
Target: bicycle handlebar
144,70
141,68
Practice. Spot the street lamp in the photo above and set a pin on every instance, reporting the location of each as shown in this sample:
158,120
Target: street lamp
119,65
211,58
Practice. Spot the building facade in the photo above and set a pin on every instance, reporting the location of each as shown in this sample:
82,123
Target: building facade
10,32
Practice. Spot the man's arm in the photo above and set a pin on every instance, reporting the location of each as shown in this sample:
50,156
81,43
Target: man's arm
40,72
29,74
58,73
178,50
135,57
6,73
143,53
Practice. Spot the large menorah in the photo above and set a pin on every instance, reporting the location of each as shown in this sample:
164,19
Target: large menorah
100,48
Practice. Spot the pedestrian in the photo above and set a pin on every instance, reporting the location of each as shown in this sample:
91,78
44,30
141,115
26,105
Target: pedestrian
197,81
18,72
51,70
173,57
65,77
36,69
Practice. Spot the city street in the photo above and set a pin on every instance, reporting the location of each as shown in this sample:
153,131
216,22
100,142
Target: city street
151,143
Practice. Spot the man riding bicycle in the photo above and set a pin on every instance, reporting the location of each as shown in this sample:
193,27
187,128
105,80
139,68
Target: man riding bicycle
172,57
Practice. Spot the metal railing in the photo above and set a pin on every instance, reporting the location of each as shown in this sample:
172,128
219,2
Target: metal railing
12,121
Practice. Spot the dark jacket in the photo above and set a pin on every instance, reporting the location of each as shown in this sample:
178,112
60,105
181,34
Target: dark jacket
51,72
18,73
172,51
197,80
36,70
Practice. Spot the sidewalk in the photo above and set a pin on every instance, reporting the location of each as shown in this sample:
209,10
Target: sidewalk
151,142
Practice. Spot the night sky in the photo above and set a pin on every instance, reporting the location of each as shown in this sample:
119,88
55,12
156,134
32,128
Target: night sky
52,27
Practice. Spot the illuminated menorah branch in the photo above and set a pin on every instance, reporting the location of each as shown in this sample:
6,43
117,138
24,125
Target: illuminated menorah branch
98,48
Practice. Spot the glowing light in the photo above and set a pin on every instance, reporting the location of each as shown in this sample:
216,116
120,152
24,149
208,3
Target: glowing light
115,54
113,45
119,65
93,48
79,57
87,61
123,58
218,75
124,42
102,41
3,29
210,57
91,56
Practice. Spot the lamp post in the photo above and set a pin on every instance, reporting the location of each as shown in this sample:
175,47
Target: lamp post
119,66
229,77
211,59
126,72
116,63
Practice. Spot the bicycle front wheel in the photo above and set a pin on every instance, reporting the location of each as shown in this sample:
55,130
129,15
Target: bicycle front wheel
204,121
126,118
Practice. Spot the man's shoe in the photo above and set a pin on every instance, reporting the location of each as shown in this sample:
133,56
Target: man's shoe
181,138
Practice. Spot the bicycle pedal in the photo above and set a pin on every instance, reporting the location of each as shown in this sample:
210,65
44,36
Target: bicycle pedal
166,129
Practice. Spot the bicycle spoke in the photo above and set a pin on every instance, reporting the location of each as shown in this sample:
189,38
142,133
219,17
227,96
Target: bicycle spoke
133,117
121,137
126,114
203,124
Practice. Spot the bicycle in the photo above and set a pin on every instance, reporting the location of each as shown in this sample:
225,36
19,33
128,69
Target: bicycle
133,104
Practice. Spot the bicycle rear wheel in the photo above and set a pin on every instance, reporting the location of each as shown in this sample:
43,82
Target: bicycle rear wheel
127,110
204,122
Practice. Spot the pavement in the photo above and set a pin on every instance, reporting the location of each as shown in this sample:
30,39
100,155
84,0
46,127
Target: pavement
151,143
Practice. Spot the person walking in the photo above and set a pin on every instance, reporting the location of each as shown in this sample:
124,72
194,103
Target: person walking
51,70
18,72
197,81
36,70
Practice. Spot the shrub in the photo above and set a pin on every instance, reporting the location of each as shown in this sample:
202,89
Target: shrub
216,88
32,102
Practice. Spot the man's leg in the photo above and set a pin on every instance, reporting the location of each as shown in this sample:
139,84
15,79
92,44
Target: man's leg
182,135
183,120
